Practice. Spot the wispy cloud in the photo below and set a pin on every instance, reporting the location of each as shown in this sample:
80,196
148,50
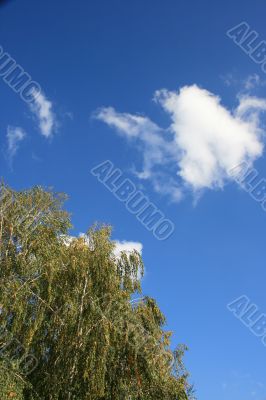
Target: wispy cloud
250,83
253,81
202,143
15,135
42,108
239,384
152,141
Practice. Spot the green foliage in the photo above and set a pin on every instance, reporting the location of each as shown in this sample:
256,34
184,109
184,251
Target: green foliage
11,383
69,327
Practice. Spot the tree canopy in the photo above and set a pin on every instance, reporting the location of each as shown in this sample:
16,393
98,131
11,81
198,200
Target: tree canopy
72,325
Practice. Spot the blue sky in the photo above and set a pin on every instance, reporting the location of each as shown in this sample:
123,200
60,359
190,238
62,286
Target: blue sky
102,66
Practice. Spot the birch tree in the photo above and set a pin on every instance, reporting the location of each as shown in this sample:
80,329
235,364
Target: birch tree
70,326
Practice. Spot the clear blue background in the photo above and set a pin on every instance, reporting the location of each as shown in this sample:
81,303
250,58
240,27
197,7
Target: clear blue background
88,54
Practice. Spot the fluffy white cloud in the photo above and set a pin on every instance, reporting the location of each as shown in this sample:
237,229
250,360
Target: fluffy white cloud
42,108
203,142
128,247
211,139
15,135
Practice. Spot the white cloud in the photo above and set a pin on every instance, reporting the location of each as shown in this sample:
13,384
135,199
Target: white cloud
15,135
204,141
128,247
211,139
42,108
67,239
249,109
120,246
